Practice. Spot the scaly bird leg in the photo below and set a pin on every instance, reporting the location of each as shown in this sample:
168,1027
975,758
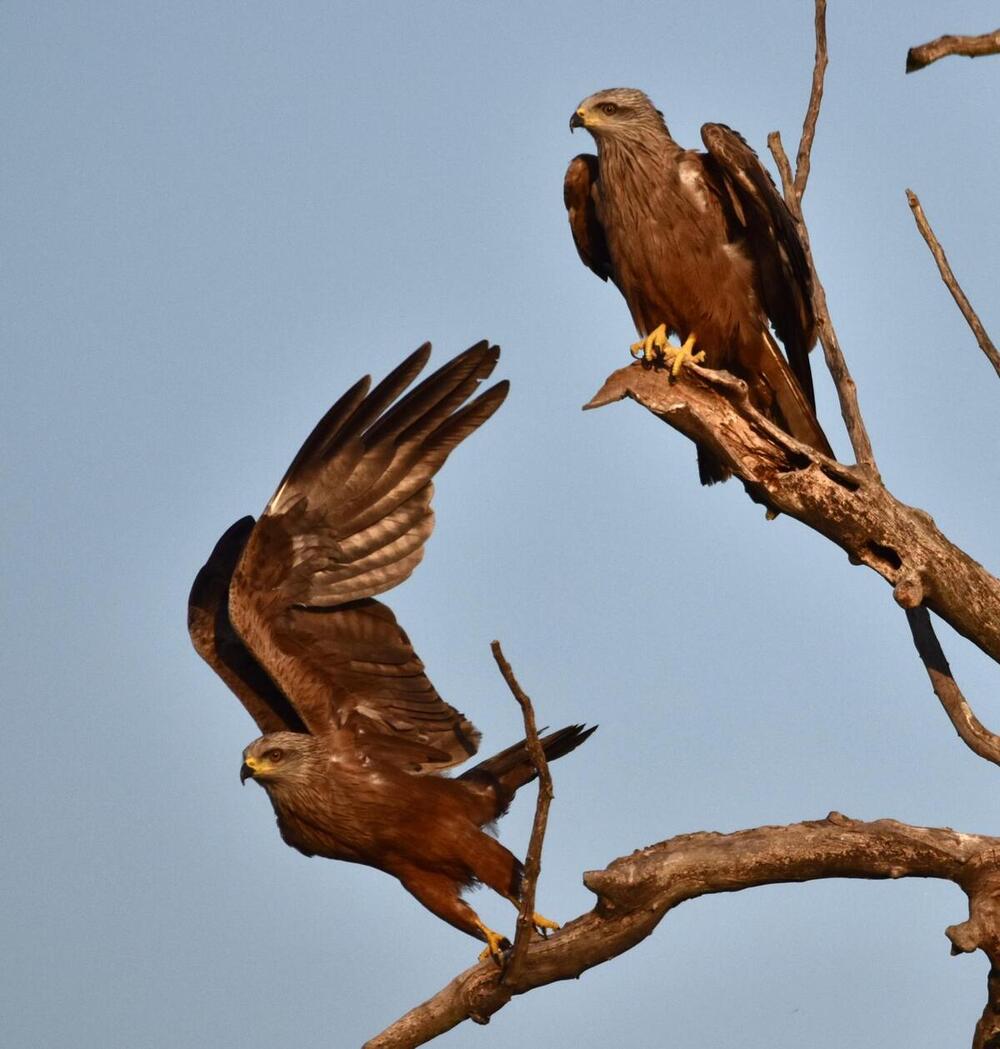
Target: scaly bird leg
495,944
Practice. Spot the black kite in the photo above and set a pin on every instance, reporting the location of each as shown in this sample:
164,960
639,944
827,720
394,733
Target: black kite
355,735
701,245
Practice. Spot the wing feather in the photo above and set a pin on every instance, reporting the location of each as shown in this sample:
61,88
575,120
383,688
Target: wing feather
222,648
580,188
773,240
350,520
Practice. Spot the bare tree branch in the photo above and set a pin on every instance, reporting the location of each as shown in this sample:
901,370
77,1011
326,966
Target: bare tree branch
533,861
850,506
635,892
951,283
794,186
845,504
969,46
802,161
972,732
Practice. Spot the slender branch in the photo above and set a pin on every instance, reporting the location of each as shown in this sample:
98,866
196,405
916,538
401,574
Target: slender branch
777,149
845,504
951,283
533,861
851,507
635,892
969,46
794,187
969,728
847,391
802,161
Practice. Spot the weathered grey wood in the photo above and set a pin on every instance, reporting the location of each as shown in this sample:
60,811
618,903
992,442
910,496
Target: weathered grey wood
844,503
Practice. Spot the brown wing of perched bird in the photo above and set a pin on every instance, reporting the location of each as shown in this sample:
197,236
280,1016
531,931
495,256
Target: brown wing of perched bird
701,245
285,612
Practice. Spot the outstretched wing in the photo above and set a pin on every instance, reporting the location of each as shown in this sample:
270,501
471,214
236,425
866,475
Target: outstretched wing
579,196
755,204
349,521
222,648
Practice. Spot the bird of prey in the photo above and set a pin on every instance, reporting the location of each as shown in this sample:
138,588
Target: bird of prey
701,245
354,734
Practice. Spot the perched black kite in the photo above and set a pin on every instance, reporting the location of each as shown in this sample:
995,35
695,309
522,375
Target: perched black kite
355,735
701,245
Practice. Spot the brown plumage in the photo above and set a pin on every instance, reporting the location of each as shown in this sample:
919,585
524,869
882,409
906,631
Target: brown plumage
355,735
701,243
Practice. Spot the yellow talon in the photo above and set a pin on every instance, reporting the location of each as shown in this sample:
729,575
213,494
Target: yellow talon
654,345
543,925
495,944
683,354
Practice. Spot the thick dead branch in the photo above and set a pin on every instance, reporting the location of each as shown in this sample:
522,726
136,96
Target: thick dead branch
635,892
951,283
533,861
969,46
850,506
845,504
969,728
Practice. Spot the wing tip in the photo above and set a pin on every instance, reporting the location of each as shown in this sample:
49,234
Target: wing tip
219,567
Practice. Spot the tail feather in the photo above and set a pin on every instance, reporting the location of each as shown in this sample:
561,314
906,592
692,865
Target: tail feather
710,467
505,773
793,403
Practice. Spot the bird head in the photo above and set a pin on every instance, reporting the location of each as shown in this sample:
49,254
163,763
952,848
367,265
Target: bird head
279,757
617,113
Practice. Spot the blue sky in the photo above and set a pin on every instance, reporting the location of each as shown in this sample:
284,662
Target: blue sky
216,217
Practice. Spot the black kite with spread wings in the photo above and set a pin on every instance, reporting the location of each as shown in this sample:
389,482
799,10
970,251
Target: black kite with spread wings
355,735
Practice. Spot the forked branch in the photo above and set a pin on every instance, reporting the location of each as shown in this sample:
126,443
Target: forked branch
843,503
533,860
794,186
851,507
635,892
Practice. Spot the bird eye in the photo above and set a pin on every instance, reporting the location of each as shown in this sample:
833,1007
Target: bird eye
610,108
275,755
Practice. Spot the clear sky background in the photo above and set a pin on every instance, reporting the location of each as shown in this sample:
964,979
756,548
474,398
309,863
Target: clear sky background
215,217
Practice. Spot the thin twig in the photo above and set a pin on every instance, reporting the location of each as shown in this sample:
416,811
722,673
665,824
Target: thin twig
802,161
969,46
847,392
794,187
972,318
784,167
533,861
973,733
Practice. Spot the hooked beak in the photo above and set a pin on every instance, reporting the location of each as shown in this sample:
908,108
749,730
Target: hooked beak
577,120
246,772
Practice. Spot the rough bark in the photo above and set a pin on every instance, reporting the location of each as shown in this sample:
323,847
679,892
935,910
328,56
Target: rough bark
635,892
851,507
844,503
968,46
